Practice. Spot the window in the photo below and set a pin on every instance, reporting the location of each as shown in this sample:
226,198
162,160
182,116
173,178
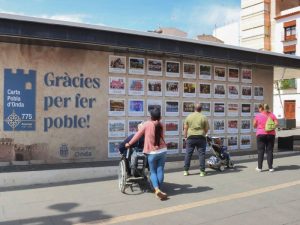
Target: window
289,31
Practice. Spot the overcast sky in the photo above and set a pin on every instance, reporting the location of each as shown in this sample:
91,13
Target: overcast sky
192,16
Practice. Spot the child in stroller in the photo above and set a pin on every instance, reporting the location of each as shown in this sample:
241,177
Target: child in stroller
221,157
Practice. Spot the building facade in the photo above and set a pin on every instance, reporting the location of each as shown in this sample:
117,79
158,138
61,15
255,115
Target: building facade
72,92
273,26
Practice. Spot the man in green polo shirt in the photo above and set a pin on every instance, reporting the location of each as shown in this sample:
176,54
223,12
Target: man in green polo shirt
195,129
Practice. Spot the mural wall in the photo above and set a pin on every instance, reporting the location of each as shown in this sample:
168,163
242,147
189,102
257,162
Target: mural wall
68,105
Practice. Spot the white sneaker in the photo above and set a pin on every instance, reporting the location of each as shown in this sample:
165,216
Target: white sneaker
257,169
271,170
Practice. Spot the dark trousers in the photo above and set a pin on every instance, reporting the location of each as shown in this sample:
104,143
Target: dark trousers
200,145
265,143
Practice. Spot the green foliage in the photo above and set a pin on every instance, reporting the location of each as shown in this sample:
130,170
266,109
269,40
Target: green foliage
287,84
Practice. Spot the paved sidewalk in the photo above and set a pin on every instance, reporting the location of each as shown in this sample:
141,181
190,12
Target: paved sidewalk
75,175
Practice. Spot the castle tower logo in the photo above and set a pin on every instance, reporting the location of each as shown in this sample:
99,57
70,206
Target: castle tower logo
19,100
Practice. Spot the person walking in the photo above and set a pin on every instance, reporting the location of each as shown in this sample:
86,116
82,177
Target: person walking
195,128
155,148
264,139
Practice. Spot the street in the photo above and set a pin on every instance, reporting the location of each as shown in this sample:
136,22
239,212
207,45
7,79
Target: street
238,196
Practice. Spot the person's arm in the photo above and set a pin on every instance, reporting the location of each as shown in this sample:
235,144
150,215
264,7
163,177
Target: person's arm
254,122
122,147
185,130
139,134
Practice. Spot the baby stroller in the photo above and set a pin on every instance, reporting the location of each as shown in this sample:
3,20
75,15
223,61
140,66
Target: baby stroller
221,157
132,170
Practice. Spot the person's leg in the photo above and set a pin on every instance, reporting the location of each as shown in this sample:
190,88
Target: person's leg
201,147
153,160
269,149
161,159
153,167
188,154
260,140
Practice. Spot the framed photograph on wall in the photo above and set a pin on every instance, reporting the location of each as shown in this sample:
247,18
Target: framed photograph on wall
233,74
172,88
245,109
219,91
153,103
188,107
113,148
219,126
172,69
233,91
219,109
189,89
133,126
206,108
255,108
172,145
232,142
136,65
171,108
210,128
246,92
258,93
117,85
171,127
116,107
136,86
220,73
245,141
117,64
205,90
246,75
136,107
245,126
155,67
116,128
189,70
232,109
232,126
205,72
154,87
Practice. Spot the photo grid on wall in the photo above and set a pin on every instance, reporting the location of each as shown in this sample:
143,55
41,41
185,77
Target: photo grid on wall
227,93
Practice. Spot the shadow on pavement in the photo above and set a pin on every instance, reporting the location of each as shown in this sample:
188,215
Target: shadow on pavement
235,169
289,167
178,189
68,218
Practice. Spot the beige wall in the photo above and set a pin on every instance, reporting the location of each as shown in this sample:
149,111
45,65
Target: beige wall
92,140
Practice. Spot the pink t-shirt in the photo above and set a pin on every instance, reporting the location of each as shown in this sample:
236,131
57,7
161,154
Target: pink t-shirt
148,129
261,119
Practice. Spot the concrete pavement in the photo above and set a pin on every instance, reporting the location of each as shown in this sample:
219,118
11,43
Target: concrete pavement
240,196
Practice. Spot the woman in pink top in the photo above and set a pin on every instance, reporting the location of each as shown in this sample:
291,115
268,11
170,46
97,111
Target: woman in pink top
155,148
264,139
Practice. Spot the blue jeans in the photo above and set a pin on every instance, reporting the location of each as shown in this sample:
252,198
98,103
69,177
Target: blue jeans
156,165
200,145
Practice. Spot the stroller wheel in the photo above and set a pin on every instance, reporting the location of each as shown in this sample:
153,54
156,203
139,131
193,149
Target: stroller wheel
230,164
221,168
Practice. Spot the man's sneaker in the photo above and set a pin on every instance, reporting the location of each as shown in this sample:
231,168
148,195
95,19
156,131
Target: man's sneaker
271,170
186,173
257,169
202,173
